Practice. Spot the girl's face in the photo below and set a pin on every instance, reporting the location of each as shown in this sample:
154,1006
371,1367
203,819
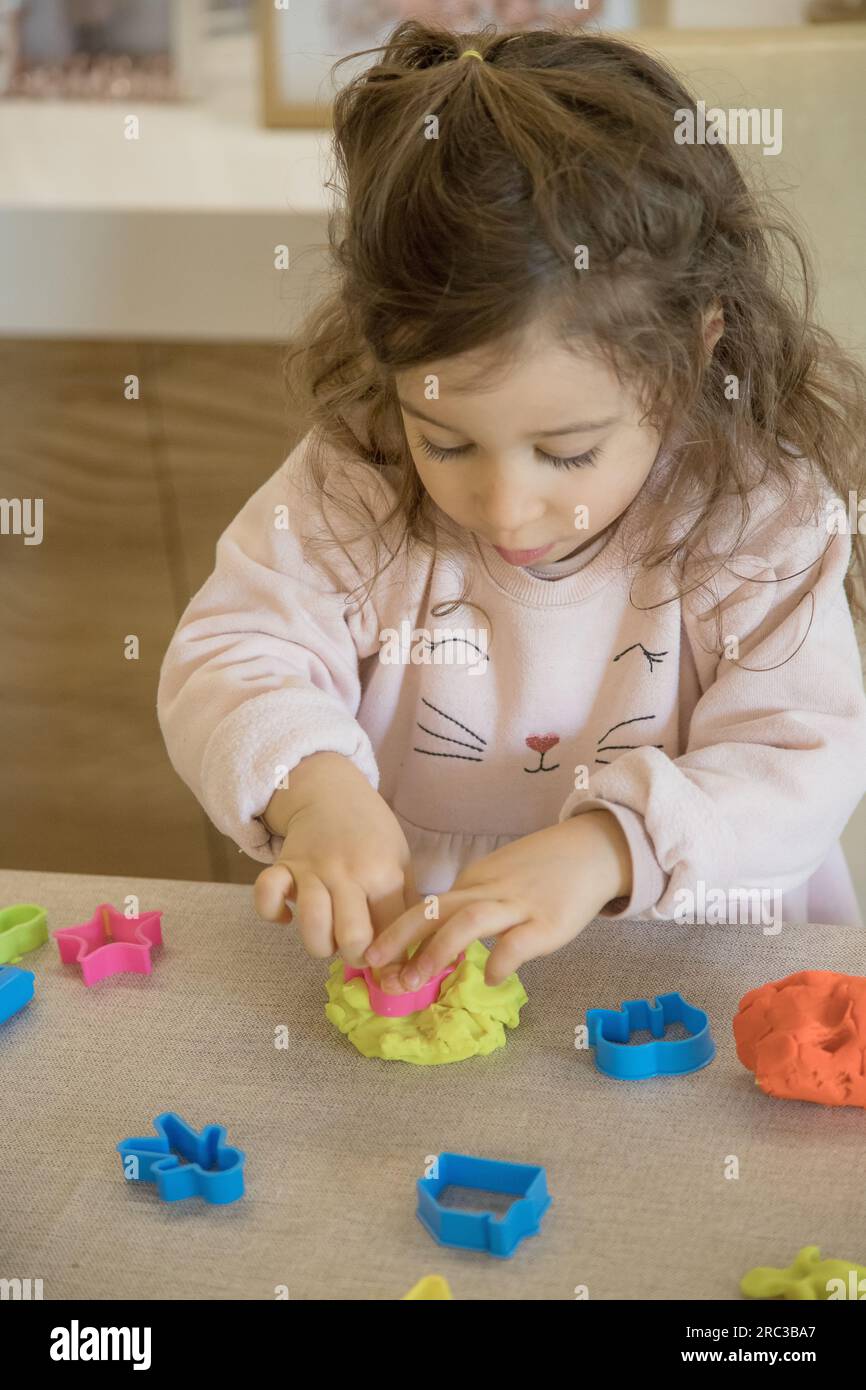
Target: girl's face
513,461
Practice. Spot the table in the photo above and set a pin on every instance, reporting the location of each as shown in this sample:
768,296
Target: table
334,1141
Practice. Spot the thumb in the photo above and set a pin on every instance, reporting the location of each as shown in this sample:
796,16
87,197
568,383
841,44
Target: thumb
273,885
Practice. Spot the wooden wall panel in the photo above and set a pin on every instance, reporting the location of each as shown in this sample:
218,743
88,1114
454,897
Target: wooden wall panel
134,494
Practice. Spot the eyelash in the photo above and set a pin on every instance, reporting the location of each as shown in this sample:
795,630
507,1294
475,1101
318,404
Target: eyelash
577,461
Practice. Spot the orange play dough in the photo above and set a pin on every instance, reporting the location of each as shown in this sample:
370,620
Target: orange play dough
804,1037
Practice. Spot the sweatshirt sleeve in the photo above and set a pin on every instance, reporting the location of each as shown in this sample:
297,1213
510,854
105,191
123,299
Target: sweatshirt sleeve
776,756
263,668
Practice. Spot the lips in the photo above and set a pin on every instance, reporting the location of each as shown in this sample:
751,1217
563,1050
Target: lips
522,557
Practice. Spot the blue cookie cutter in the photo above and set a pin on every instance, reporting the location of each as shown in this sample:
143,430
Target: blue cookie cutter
610,1029
481,1230
212,1169
16,990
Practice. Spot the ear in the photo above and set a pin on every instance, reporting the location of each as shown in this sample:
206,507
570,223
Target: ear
714,325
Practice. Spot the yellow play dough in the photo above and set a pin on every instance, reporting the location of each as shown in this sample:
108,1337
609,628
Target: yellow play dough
431,1287
469,1019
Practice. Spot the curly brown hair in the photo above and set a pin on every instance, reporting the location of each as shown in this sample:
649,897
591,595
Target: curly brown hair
558,139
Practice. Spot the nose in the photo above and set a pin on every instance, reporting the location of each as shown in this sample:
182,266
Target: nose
507,507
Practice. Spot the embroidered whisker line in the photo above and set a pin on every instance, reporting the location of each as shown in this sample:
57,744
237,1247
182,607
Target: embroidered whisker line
450,717
462,756
448,739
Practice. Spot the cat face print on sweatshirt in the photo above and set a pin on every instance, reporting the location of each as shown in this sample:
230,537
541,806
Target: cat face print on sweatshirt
494,745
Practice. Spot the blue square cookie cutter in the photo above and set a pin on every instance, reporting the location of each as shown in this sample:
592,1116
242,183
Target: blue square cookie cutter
16,990
610,1030
212,1168
482,1230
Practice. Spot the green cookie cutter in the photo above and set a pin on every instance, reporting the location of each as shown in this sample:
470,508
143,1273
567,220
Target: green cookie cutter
23,927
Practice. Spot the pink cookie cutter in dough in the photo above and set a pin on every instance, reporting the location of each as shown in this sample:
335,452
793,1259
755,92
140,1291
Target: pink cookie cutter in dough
110,943
398,1005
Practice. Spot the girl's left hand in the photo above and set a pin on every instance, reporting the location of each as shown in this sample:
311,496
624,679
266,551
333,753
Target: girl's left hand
533,894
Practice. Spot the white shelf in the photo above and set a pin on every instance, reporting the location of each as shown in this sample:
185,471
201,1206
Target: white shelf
211,155
101,236
106,237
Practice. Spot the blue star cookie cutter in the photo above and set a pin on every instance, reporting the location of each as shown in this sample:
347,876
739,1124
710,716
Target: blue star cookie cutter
611,1029
16,990
212,1169
482,1230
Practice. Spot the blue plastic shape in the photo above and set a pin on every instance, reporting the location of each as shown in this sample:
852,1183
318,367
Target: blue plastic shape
482,1230
610,1030
16,990
212,1169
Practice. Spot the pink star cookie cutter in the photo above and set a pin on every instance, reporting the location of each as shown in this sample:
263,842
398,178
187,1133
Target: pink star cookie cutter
110,943
398,1005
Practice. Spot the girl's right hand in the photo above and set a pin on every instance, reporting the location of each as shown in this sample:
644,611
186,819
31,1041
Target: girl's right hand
345,862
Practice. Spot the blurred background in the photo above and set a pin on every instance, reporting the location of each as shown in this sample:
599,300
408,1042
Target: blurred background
162,226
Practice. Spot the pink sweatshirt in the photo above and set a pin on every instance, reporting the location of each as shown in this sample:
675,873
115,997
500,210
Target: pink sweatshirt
728,776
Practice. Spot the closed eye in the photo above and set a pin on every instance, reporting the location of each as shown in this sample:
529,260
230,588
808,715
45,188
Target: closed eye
556,461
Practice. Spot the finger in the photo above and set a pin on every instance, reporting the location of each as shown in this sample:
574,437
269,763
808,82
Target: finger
353,928
482,917
411,895
314,915
271,889
385,908
409,927
389,978
516,947
386,905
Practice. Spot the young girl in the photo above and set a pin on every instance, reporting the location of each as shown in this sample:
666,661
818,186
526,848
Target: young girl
546,615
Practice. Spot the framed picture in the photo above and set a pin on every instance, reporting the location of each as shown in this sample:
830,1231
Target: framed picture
301,39
101,50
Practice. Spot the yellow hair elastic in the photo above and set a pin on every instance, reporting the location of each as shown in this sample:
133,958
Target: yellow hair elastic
472,53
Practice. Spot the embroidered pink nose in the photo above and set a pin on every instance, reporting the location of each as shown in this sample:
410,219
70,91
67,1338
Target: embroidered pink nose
541,742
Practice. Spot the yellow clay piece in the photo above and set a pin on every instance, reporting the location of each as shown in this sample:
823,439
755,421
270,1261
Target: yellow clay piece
809,1277
430,1287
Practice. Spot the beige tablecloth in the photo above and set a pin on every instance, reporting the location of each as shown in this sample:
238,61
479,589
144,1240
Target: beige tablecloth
334,1142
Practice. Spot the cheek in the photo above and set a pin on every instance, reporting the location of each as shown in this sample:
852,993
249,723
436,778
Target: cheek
443,484
426,474
615,488
589,488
